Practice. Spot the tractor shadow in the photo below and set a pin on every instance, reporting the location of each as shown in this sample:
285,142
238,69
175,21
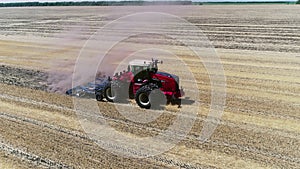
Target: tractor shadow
187,101
180,102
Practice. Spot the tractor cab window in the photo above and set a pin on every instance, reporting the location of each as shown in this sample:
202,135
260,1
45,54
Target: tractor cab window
137,69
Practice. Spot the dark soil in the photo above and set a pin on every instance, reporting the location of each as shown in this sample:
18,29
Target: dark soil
34,79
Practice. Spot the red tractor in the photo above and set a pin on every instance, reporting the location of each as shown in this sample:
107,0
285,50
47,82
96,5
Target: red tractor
144,83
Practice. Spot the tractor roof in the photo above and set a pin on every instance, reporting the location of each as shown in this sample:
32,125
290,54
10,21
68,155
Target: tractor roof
138,62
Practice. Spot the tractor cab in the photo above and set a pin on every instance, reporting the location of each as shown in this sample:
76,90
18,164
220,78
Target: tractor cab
143,69
136,66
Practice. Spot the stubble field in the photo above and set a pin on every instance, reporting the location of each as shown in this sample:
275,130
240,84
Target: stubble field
259,49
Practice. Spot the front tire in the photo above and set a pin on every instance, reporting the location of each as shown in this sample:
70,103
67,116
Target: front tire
147,97
142,97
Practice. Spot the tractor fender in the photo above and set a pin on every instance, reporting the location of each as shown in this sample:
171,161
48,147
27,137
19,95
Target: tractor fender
153,84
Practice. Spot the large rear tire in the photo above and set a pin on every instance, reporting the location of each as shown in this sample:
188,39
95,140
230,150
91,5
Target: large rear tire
109,94
115,94
130,91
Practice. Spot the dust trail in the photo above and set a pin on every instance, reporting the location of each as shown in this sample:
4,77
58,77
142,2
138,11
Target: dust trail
62,64
69,44
60,80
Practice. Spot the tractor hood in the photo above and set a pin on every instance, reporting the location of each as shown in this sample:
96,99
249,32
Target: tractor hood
169,75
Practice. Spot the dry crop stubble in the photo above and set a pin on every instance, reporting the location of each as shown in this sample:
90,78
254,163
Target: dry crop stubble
261,60
200,127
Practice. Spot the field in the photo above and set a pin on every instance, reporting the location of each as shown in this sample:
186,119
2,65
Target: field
259,48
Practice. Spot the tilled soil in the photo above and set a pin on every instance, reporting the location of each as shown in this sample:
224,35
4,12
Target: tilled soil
34,79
